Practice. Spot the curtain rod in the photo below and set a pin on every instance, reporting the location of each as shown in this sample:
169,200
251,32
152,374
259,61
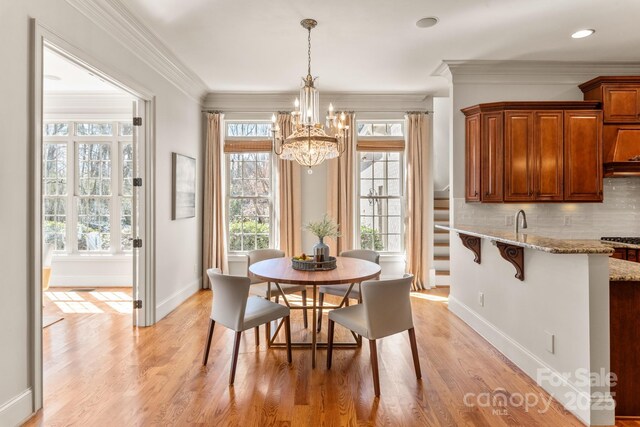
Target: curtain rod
339,111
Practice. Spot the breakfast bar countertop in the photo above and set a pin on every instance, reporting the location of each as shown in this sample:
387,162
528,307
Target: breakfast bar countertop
623,271
531,241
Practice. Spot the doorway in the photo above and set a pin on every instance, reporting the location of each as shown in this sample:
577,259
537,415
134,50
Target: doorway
92,193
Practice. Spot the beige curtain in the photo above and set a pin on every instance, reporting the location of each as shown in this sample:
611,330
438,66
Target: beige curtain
419,196
289,197
214,244
340,192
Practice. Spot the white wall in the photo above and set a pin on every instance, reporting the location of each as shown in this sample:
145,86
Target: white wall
178,128
441,130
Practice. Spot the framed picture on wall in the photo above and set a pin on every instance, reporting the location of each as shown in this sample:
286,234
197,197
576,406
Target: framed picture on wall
184,187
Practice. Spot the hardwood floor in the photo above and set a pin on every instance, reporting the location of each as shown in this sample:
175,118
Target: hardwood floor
101,371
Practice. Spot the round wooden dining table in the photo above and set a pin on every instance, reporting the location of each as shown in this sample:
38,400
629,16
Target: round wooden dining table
348,271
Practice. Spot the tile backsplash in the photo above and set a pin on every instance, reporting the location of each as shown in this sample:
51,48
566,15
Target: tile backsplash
618,215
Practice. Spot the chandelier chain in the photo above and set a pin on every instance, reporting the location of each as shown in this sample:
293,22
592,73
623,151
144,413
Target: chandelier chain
309,53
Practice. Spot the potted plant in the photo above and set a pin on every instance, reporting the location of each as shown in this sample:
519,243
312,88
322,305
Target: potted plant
326,227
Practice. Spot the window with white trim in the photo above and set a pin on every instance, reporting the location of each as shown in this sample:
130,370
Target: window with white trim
380,183
87,186
249,185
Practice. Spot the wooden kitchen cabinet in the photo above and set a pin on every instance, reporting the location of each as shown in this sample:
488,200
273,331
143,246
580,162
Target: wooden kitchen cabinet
472,158
619,95
492,158
583,178
524,152
533,156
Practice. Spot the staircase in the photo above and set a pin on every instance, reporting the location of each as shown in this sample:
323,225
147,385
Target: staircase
441,238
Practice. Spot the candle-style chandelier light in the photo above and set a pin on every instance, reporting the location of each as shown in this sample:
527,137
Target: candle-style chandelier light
309,144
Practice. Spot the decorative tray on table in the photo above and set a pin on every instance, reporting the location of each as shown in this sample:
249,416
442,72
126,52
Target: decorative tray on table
310,264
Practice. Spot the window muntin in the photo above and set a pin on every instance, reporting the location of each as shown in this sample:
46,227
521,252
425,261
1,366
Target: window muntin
380,205
87,186
250,201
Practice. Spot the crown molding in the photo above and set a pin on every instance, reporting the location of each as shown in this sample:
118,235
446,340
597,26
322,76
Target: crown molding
531,72
113,17
259,102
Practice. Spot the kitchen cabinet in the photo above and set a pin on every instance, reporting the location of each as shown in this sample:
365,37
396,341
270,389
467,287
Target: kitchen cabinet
533,156
583,156
534,152
472,158
619,95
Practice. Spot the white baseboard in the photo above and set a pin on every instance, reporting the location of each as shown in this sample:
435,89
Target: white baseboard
169,304
558,386
17,410
91,281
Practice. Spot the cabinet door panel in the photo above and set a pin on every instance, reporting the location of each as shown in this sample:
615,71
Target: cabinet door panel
621,103
549,146
583,156
492,157
472,152
519,162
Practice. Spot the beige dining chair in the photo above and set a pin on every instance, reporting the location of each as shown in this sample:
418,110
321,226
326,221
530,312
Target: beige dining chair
267,289
232,307
385,310
341,290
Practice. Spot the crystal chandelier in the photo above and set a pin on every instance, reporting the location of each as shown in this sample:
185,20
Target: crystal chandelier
309,144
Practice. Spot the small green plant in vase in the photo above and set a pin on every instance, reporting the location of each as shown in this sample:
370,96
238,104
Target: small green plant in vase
326,227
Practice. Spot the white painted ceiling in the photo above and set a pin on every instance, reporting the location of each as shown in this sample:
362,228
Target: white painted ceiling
72,78
374,45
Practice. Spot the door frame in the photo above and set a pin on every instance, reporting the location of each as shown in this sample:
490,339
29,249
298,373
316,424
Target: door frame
41,37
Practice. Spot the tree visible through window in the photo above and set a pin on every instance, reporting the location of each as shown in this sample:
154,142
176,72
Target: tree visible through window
249,201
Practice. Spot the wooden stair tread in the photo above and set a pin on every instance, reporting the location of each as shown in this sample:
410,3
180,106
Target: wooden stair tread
440,231
442,273
441,244
441,258
440,208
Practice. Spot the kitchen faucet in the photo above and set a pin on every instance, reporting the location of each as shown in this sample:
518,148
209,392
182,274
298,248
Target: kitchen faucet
517,222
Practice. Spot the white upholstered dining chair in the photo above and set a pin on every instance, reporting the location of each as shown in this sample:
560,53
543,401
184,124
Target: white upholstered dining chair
341,290
234,308
385,310
269,290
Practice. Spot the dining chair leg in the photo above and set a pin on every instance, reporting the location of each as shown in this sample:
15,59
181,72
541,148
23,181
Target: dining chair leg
207,345
331,327
320,303
234,358
257,334
346,303
373,350
277,298
414,352
287,333
304,310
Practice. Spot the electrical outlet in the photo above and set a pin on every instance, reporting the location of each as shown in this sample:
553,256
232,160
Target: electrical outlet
481,299
567,220
550,342
508,220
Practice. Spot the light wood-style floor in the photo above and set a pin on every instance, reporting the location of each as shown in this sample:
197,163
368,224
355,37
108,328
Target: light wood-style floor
99,371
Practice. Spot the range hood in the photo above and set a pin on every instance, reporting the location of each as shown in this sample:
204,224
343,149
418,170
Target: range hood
621,150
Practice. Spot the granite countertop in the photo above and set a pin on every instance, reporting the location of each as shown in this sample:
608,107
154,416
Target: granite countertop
540,243
620,244
623,271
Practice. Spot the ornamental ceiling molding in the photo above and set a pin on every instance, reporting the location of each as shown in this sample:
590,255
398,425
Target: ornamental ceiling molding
114,18
530,72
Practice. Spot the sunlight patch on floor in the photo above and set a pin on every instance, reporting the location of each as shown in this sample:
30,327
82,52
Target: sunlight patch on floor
63,296
429,297
77,307
121,306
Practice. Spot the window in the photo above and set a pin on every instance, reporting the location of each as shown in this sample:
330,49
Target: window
380,184
249,186
86,202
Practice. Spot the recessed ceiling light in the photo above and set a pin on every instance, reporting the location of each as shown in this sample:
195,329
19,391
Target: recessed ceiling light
51,77
582,33
427,22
